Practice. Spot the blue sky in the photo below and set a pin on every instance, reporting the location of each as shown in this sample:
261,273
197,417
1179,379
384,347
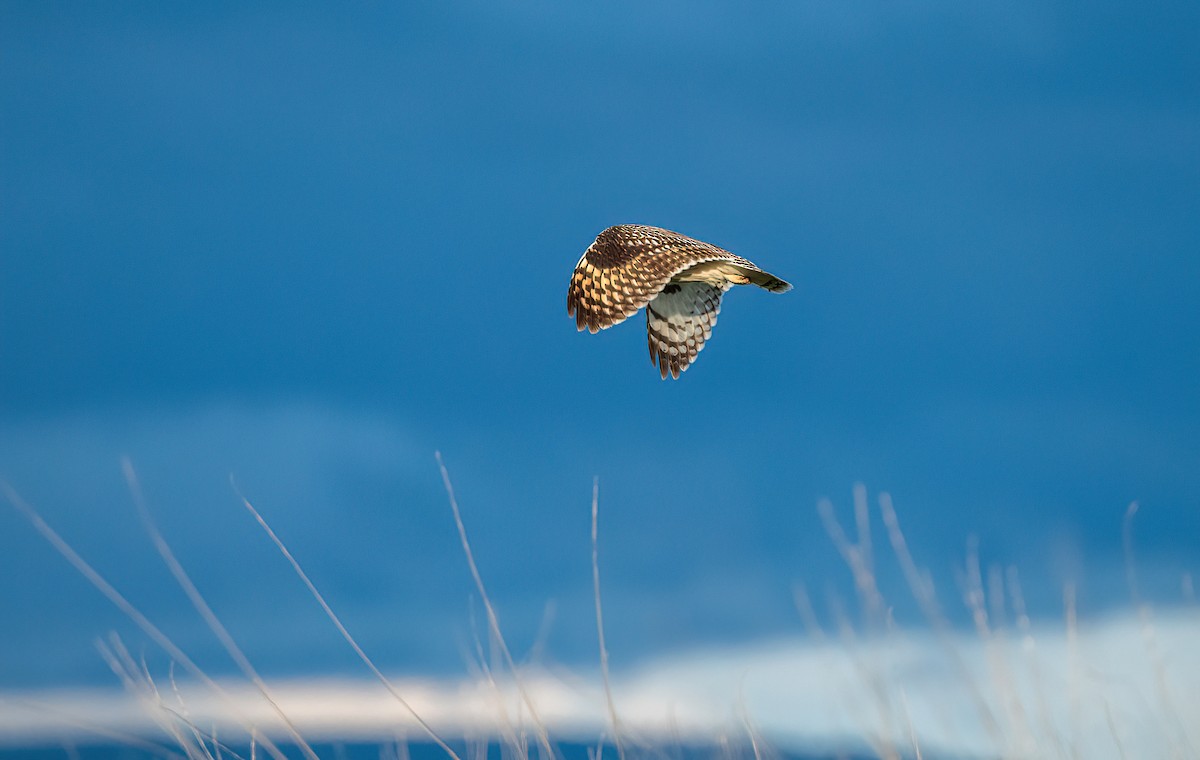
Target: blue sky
312,246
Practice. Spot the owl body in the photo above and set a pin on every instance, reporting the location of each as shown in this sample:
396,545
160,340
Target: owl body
678,280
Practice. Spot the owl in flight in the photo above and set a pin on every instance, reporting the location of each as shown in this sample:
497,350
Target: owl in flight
679,280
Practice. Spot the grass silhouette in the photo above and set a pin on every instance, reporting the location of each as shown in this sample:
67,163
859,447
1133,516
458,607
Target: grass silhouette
1012,692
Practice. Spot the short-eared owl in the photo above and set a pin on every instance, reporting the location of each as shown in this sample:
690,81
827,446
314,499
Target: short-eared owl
679,280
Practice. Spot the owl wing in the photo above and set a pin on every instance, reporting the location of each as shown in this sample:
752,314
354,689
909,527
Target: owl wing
678,321
627,266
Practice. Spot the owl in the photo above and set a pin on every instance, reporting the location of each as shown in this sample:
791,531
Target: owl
679,280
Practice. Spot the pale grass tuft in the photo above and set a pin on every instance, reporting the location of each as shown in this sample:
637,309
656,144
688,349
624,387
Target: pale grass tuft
493,619
133,613
608,697
210,619
312,589
1007,684
1182,744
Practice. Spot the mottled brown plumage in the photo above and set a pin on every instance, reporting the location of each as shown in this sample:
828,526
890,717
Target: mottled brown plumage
679,280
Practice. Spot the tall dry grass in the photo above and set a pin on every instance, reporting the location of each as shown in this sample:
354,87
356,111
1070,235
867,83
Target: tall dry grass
1012,702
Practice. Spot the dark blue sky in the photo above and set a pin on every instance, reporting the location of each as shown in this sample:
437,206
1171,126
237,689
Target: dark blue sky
312,246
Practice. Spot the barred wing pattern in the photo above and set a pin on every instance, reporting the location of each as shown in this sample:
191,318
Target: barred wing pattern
627,267
679,321
677,279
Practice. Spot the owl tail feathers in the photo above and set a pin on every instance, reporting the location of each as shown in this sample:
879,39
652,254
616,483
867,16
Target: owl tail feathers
768,281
